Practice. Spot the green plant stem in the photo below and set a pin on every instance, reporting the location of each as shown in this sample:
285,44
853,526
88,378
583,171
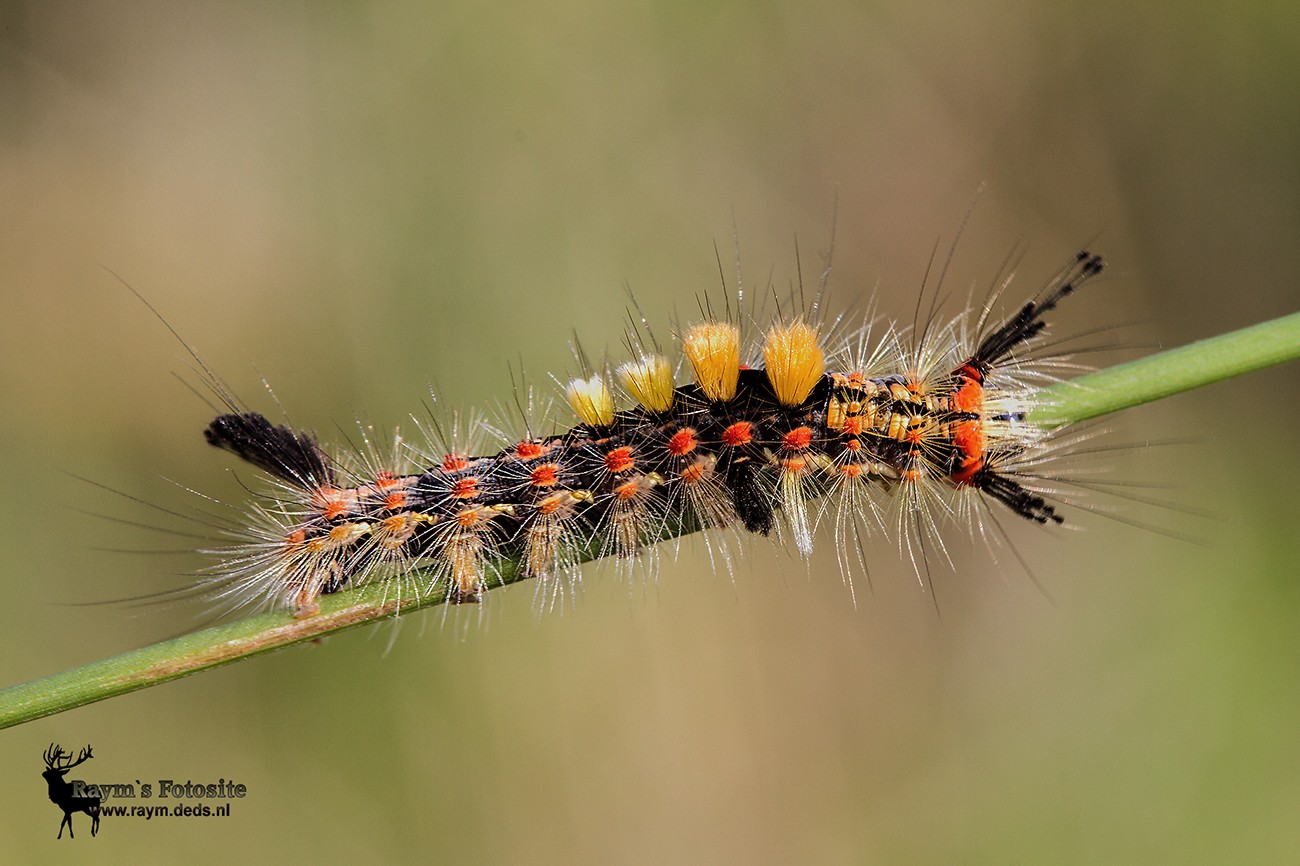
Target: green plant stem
1171,372
1089,396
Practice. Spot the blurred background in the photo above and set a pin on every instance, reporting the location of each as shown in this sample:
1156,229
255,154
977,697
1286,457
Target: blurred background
355,201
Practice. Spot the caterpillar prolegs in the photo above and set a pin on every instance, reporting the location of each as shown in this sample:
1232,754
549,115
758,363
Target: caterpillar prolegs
808,426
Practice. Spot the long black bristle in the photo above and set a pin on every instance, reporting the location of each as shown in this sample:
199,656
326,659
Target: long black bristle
1028,322
285,453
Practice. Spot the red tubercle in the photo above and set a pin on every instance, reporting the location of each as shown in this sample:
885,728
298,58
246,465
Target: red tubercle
970,372
454,462
528,449
682,442
968,436
797,439
619,459
465,488
738,434
546,475
969,395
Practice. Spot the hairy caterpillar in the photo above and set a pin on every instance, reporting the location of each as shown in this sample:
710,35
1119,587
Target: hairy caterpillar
806,427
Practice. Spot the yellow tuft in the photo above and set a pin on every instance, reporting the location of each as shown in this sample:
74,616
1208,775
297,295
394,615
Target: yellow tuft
650,382
713,348
794,362
591,401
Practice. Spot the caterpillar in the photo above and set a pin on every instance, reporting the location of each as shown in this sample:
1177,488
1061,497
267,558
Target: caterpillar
775,437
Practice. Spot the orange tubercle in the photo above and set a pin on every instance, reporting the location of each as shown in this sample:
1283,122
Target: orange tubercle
692,473
468,518
628,489
330,501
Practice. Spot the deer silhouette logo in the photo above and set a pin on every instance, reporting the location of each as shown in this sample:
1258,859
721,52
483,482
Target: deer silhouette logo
69,796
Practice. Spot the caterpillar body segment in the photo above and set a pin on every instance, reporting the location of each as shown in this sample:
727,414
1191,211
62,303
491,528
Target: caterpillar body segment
745,447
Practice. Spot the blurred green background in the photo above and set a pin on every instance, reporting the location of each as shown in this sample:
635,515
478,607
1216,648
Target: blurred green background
355,201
